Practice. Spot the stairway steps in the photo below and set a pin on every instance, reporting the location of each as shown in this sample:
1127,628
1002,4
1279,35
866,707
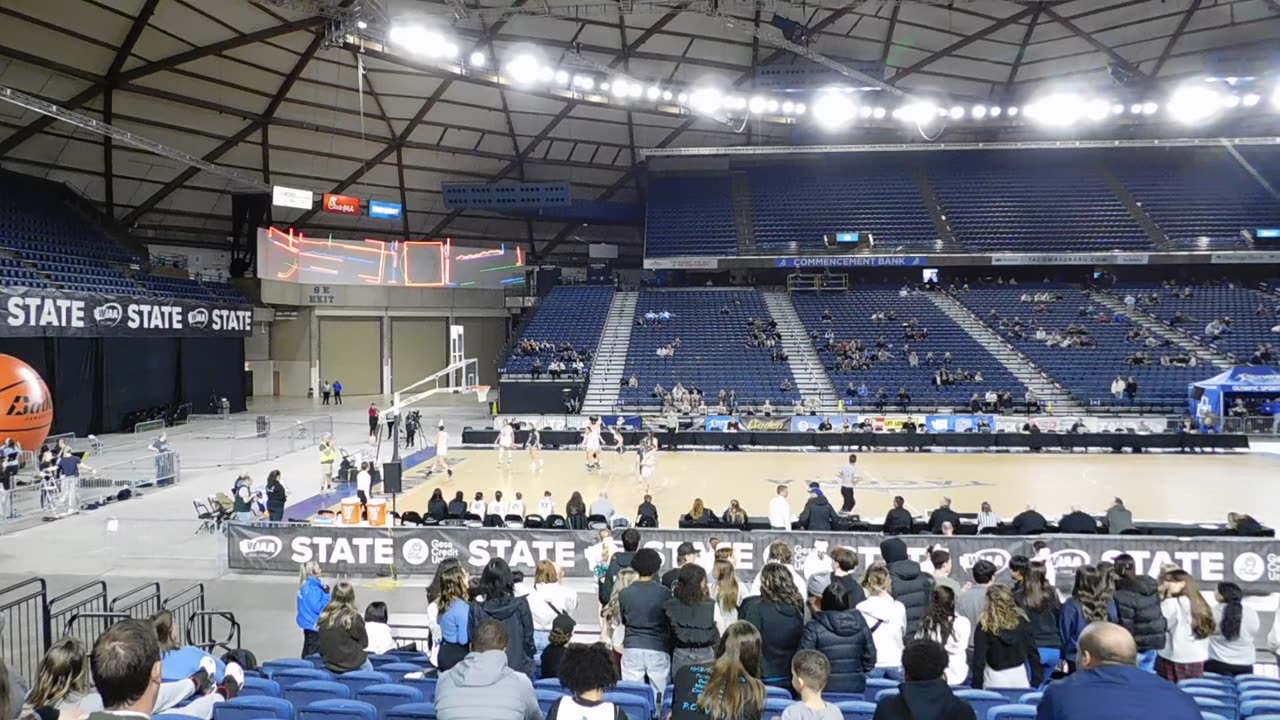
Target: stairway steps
611,355
811,377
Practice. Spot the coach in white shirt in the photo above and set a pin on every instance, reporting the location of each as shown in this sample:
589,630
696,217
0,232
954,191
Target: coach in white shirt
780,510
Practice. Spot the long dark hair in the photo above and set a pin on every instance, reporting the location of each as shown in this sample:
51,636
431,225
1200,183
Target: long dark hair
1232,609
778,587
1092,593
734,689
691,585
436,494
496,580
939,621
575,506
273,478
433,590
1037,594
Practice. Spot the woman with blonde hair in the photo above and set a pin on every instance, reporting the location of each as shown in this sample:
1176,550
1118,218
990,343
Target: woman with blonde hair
454,610
885,616
728,689
1189,625
1003,646
549,599
699,514
313,596
612,629
727,592
342,635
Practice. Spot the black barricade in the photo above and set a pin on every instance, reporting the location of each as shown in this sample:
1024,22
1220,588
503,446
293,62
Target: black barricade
140,603
80,612
184,605
26,631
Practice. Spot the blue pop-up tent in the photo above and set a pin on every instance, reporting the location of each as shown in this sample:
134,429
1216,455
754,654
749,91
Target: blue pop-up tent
1240,380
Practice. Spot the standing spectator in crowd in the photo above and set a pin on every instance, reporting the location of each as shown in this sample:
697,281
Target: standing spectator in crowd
730,688
1003,646
630,545
342,635
780,510
1029,522
971,602
726,592
482,686
1231,647
818,514
943,625
685,554
691,616
1107,686
885,616
944,513
911,586
277,496
373,419
844,638
313,596
780,552
898,520
10,460
587,672
643,614
337,392
375,626
241,498
612,631
1039,601
1117,388
1190,623
549,600
126,670
777,612
557,645
810,672
843,562
1138,606
453,613
1090,602
848,477
1119,518
496,600
924,692
940,559
986,518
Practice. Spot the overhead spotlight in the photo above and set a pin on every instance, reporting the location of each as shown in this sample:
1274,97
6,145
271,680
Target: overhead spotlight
546,74
1135,109
865,111
1275,98
682,98
800,108
1231,101
878,113
1012,111
666,95
634,90
921,113
1117,109
788,107
478,59
756,105
562,77
653,93
1193,104
833,110
995,111
449,50
979,112
619,88
1058,110
362,25
604,85
771,106
706,100
1249,100
956,112
407,36
1149,108
1097,110
583,82
523,69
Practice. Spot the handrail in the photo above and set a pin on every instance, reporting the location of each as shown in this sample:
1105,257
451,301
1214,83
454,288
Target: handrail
154,594
114,617
233,630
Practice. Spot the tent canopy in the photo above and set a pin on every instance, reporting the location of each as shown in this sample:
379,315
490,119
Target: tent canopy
1244,379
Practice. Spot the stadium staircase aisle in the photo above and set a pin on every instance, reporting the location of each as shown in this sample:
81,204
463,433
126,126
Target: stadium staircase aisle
742,218
1015,362
611,355
811,379
1206,355
946,238
1135,209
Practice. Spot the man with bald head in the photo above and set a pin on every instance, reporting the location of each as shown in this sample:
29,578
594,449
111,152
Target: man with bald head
1107,684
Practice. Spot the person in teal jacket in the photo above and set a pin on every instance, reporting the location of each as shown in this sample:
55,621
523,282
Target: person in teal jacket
312,597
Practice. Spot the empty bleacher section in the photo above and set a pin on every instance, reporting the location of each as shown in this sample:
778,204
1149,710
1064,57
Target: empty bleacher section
690,215
572,316
1201,198
795,204
1031,200
851,320
712,353
185,289
1086,372
1252,314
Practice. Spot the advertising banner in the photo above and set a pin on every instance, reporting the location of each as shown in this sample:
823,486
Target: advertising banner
1253,563
26,312
291,197
681,263
851,261
809,423
958,423
1071,259
385,210
630,422
341,204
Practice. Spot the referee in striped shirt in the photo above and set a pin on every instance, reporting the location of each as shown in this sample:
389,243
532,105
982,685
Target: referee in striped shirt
848,476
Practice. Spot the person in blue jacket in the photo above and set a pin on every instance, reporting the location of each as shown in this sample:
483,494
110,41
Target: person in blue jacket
313,596
1090,602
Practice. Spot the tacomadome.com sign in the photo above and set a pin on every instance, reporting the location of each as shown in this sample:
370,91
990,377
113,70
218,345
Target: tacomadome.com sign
1071,259
1253,563
55,313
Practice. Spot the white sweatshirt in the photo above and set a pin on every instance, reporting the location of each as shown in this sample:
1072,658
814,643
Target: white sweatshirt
1241,650
1180,644
888,637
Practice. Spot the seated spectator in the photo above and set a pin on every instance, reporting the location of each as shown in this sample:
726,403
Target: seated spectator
944,513
1003,646
699,514
1107,686
343,637
943,625
729,689
557,644
375,626
482,686
1119,518
777,612
810,674
457,506
125,663
844,638
885,616
1244,525
1078,522
691,617
924,692
1029,522
602,506
648,510
987,518
587,672
180,662
436,507
898,520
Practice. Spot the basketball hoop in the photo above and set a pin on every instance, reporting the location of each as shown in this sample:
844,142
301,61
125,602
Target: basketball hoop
481,391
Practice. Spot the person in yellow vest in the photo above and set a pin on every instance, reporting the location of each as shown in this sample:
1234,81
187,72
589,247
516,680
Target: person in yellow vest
328,456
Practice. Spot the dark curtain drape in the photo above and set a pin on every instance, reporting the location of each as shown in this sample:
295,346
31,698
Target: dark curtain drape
137,373
70,367
212,366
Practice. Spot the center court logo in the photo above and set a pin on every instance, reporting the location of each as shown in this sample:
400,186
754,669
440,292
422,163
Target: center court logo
878,485
263,547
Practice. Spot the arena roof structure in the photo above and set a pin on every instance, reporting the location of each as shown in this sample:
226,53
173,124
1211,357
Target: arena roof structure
394,99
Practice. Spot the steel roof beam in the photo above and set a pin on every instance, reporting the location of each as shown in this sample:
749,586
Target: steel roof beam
1173,39
1095,42
962,43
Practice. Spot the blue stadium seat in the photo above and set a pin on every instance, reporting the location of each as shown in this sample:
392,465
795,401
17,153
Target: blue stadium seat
638,689
857,709
338,710
1224,708
773,706
635,707
690,215
270,667
309,691
981,700
413,711
386,697
567,315
426,686
1250,709
253,708
776,692
260,686
1031,698
294,675
397,670
357,681
1010,712
548,697
882,694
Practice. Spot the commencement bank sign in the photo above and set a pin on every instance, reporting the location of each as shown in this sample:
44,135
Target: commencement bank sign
851,261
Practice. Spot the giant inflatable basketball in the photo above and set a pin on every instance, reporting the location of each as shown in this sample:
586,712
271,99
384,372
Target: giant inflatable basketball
26,408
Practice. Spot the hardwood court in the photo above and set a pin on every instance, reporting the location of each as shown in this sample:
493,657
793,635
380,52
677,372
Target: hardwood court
1154,486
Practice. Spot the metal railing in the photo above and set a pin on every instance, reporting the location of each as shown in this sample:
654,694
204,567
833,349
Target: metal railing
185,605
200,626
26,635
1252,425
140,603
81,612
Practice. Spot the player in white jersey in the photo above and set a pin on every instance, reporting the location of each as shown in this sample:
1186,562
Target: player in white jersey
505,443
615,433
534,444
441,462
648,459
591,442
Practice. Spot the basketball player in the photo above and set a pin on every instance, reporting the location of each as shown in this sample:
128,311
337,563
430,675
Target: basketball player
615,431
505,442
591,442
440,462
847,476
648,459
533,444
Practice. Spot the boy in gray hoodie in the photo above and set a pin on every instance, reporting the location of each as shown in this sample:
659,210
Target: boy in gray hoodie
482,687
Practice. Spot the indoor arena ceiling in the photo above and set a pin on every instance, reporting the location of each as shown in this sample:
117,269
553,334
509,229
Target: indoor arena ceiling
271,90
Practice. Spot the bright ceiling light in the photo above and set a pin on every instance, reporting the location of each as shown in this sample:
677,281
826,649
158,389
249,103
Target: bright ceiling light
653,93
920,113
1250,99
800,108
523,69
1012,111
362,25
771,106
1149,108
407,36
619,88
878,113
833,110
1057,110
979,112
562,77
1231,101
449,50
1135,108
682,98
1097,110
1117,109
956,112
546,74
635,90
756,105
1275,98
788,107
604,85
666,95
706,100
478,59
1192,104
995,111
585,82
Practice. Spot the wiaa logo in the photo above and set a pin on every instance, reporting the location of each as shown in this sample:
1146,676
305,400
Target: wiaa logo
198,318
109,314
1069,559
263,547
996,556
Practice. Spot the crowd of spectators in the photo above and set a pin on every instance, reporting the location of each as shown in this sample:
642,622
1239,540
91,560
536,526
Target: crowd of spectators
561,359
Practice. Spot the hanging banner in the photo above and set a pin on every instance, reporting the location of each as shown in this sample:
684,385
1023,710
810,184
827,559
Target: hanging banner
1253,563
25,312
851,261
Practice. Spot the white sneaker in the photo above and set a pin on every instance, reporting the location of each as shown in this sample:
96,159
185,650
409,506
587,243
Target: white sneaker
235,672
210,667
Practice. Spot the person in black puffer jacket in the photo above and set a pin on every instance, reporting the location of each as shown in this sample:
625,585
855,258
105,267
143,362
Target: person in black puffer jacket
499,604
1138,607
911,586
692,617
1040,602
845,639
778,613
